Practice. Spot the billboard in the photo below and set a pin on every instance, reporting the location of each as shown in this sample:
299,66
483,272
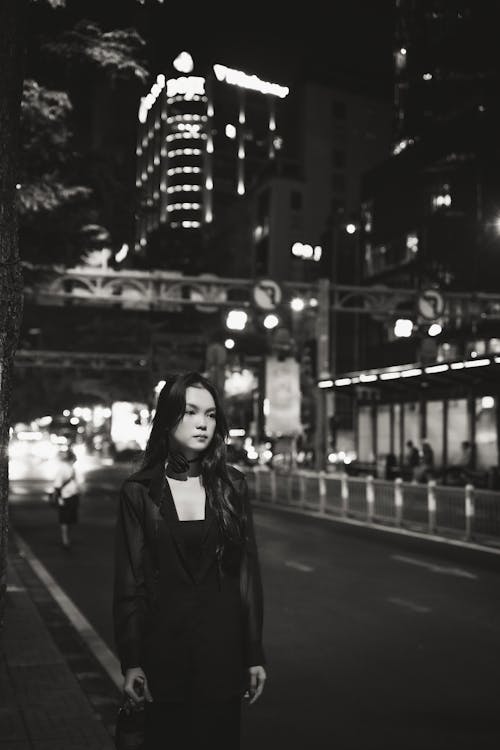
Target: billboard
282,399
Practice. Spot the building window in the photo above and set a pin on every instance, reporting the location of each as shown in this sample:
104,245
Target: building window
338,182
441,197
411,246
262,257
338,159
263,207
367,215
296,200
338,205
338,110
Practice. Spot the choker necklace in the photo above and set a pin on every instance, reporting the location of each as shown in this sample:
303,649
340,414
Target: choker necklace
178,465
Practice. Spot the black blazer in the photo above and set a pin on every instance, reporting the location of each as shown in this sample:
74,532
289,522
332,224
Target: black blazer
193,632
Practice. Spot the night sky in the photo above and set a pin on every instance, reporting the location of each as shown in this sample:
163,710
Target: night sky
279,42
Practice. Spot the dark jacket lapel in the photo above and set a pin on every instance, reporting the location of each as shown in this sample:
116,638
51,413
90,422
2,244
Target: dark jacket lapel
161,495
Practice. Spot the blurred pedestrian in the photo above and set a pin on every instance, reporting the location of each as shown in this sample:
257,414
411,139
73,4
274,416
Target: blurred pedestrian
426,469
428,459
188,601
391,466
66,490
412,459
467,456
462,471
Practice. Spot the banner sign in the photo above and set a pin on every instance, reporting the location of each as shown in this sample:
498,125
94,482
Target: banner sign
282,400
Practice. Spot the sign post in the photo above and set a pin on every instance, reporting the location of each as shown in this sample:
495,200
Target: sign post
323,372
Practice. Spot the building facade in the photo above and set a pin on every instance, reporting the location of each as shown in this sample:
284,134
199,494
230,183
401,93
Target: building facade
229,163
203,141
430,223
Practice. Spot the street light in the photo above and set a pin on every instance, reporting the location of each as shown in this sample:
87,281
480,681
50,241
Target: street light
403,328
271,321
297,304
435,329
236,320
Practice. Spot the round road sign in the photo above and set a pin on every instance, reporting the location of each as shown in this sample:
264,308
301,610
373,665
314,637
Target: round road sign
267,294
430,304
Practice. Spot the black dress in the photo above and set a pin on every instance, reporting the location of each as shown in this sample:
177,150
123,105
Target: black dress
192,725
191,619
193,536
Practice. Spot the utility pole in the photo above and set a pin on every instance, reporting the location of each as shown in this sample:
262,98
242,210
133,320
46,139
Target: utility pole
323,371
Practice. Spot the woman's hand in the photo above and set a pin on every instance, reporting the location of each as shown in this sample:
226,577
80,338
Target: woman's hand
257,680
135,686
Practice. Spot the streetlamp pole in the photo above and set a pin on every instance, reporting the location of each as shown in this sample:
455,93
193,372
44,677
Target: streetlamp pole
323,370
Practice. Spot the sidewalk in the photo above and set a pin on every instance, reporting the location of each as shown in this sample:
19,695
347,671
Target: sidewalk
53,693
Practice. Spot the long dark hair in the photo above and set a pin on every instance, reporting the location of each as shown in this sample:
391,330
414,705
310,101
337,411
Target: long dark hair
170,409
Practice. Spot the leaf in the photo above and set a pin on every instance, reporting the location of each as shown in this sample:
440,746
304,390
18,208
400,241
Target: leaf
115,52
48,194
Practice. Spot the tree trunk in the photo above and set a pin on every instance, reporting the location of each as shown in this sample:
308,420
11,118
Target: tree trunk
12,17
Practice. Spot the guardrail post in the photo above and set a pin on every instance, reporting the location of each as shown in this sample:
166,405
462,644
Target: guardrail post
431,505
469,510
370,498
398,501
344,494
302,486
322,491
273,486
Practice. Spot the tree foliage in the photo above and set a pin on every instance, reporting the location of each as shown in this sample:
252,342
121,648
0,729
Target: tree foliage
114,52
64,185
52,200
45,182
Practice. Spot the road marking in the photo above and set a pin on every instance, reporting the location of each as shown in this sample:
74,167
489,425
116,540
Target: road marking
15,589
409,605
334,519
444,569
100,650
299,566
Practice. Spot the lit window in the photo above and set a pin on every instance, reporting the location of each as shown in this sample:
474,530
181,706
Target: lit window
367,216
441,198
412,243
402,145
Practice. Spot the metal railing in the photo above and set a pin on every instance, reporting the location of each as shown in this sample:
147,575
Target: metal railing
464,513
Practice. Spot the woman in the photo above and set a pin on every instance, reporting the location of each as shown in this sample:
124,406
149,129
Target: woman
66,491
188,604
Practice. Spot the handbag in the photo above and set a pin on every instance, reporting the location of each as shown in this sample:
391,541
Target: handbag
55,497
130,728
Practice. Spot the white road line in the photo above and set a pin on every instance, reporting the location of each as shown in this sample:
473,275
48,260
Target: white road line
299,566
409,605
100,650
336,519
444,569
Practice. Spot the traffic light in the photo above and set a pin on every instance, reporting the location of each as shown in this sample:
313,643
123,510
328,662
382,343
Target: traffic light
308,359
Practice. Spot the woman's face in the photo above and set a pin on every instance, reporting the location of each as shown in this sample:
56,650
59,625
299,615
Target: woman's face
196,429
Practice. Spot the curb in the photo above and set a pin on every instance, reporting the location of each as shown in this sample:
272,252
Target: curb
93,680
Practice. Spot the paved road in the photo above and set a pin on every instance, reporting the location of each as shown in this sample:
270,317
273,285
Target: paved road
372,644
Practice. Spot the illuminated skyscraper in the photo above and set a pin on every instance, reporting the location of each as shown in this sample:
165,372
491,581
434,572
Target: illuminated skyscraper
202,140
